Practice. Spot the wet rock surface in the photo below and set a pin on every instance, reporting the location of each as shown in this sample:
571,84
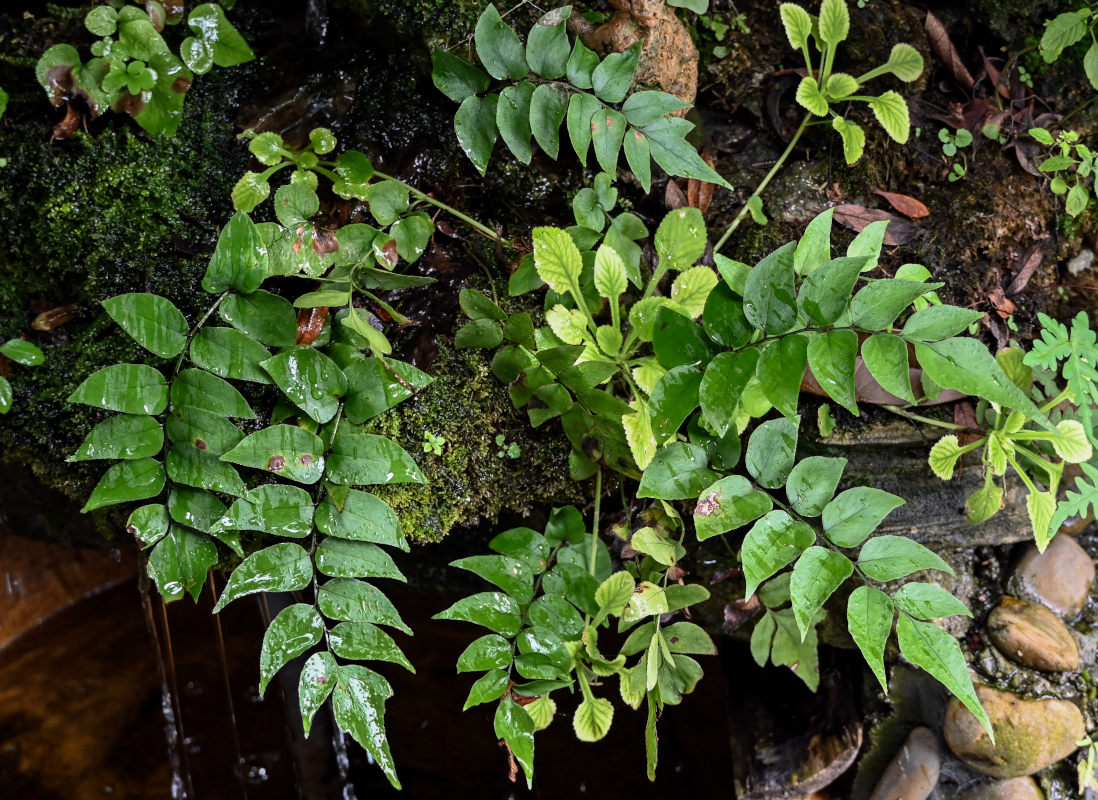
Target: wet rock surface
913,772
1023,788
1060,577
1031,635
1029,734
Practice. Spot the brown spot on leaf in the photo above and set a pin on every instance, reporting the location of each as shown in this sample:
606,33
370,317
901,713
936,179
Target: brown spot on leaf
181,85
325,241
306,459
389,253
276,463
707,506
201,445
131,530
609,122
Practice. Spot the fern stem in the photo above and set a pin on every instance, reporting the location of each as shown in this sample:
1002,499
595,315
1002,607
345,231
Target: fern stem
419,195
764,183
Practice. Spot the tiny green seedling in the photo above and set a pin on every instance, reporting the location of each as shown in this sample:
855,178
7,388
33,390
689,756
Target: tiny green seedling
433,443
952,144
1072,166
23,353
511,450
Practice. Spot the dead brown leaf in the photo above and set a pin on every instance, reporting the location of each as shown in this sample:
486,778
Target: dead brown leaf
388,253
943,48
856,217
905,204
700,193
310,322
965,414
1002,304
833,192
1030,262
69,125
995,76
738,612
54,317
673,196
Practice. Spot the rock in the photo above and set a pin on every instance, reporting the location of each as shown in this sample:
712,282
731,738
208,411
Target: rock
1029,734
913,772
1060,577
1014,789
1031,635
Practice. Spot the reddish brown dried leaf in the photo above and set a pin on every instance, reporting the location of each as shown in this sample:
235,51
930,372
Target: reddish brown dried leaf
1002,304
389,252
904,204
943,48
310,322
69,125
856,217
964,414
54,317
699,194
325,241
995,75
738,612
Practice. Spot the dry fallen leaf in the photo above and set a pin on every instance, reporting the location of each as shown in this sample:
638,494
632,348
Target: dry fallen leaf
904,204
1002,304
54,317
856,217
310,322
673,196
943,48
1030,262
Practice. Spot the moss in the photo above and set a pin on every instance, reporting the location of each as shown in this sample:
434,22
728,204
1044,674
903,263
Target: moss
469,407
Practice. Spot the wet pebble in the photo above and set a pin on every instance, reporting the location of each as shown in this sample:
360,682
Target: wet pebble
1060,577
1023,788
1031,635
913,772
1029,734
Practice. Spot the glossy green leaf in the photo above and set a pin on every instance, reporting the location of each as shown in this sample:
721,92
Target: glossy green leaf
180,562
310,379
929,601
318,678
126,481
509,574
671,150
886,357
202,429
832,357
479,334
358,702
730,503
354,171
691,289
612,78
934,323
966,365
364,459
515,727
886,558
148,524
780,370
869,614
770,303
773,542
377,384
810,96
612,595
607,132
498,46
6,395
495,611
490,686
592,719
581,65
228,47
263,316
475,126
677,340
647,600
364,641
228,353
555,613
129,388
638,154
582,108
291,633
350,600
826,292
361,517
876,306
854,514
926,645
673,399
723,318
388,200
724,380
454,77
284,567
680,238
200,389
816,576
197,509
125,436
547,47
240,259
556,258
188,465
812,483
154,322
513,119
285,450
771,452
547,109
891,112
342,558
276,509
295,204
490,651
686,637
678,471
